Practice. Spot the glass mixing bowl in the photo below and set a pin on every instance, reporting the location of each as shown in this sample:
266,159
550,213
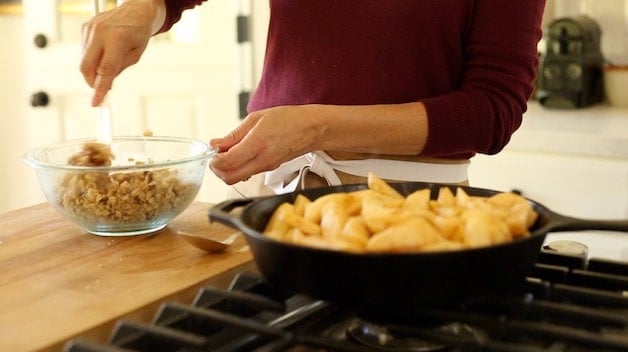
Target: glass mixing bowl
150,181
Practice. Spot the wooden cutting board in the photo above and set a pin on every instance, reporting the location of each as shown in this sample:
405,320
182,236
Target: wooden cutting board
57,282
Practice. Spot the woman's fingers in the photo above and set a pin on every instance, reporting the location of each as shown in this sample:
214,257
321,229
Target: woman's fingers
231,172
93,48
113,41
264,140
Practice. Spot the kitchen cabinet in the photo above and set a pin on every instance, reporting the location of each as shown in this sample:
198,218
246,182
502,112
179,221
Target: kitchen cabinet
186,84
572,161
179,86
13,131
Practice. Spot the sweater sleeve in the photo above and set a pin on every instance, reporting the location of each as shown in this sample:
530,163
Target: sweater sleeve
174,9
500,66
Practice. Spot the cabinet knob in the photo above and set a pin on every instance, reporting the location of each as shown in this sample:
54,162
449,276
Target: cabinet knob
40,40
40,99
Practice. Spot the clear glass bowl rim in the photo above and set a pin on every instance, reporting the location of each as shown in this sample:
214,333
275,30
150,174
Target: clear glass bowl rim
33,156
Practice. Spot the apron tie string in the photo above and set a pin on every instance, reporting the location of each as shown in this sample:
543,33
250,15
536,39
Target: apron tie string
289,175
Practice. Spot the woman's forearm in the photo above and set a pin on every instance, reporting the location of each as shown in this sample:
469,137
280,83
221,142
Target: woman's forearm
400,129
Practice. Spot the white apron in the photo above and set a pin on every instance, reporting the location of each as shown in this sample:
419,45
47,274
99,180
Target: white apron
291,175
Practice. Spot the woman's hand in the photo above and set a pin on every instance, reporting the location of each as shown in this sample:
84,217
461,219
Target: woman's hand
267,138
264,140
115,40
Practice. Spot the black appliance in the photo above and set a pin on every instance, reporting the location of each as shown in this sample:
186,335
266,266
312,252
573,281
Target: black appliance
569,303
570,74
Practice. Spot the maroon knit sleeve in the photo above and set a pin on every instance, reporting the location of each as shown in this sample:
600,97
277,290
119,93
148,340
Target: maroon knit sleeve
174,9
500,65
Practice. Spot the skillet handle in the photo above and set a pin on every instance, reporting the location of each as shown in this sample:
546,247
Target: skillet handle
561,222
221,212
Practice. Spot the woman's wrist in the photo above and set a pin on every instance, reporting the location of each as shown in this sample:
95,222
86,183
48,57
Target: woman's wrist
157,9
160,16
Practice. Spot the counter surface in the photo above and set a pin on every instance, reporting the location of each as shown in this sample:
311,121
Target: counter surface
58,282
598,131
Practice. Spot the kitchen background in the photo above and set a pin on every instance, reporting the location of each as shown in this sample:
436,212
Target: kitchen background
188,83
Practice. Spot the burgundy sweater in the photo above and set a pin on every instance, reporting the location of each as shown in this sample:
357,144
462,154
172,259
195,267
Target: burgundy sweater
472,63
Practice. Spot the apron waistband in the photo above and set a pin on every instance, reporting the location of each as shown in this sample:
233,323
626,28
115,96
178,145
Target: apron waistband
288,176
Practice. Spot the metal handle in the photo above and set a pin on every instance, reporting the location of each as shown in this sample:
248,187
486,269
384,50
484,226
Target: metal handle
221,213
560,222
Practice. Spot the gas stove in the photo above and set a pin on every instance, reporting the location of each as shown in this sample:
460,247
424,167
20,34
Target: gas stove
570,302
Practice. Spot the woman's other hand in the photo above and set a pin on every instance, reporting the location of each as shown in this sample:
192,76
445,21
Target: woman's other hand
269,137
264,140
115,40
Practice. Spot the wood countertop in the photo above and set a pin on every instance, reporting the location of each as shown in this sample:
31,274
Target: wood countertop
58,282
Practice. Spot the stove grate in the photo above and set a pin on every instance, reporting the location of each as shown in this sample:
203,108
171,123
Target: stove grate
566,306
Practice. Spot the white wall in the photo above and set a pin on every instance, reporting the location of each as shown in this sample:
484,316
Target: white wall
260,13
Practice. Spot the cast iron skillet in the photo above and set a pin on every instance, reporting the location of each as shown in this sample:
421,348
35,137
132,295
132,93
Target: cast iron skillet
388,283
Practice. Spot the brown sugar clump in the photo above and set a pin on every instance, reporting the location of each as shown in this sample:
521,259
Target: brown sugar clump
120,197
92,154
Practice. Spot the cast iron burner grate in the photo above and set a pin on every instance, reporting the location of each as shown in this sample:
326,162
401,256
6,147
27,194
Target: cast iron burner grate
570,304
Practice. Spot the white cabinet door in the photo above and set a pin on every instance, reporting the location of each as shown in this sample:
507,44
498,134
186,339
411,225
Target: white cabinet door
576,186
184,85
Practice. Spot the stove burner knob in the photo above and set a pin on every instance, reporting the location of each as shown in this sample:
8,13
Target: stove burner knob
568,248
